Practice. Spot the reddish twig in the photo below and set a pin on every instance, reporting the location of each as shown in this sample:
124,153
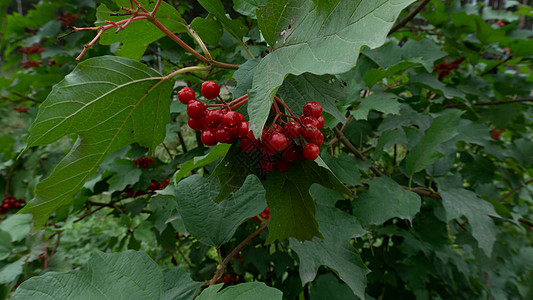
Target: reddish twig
409,17
235,251
514,190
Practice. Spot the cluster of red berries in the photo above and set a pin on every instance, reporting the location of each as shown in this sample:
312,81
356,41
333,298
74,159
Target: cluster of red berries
143,162
154,186
30,64
279,145
495,133
67,19
444,68
500,23
23,110
217,125
265,215
35,48
10,202
229,278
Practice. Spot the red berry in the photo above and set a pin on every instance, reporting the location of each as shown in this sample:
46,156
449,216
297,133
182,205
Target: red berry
320,122
313,109
213,118
266,149
266,165
292,129
310,132
265,214
310,121
283,166
12,201
319,140
208,137
242,117
223,135
231,118
251,136
186,94
247,145
196,109
276,128
276,140
6,206
291,154
243,129
210,89
17,204
196,124
311,151
154,185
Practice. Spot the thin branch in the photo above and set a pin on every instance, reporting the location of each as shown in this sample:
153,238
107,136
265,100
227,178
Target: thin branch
409,17
221,267
514,190
494,67
354,150
489,103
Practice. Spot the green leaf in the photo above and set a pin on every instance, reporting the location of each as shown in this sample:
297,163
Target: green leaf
335,251
209,30
121,102
11,271
296,91
424,154
178,285
458,202
126,174
318,37
388,139
373,76
199,161
234,27
327,286
5,244
215,223
233,170
136,37
384,200
292,210
431,82
242,291
244,75
384,102
125,275
345,168
18,226
248,7
162,208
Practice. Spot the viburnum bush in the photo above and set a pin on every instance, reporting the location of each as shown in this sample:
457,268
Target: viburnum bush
266,149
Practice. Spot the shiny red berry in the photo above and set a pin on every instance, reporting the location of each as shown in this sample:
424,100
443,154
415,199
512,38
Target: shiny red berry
310,121
309,132
320,122
243,129
210,89
196,109
231,118
291,154
276,140
186,94
223,135
6,206
196,124
292,129
213,118
247,145
319,140
311,151
208,137
313,109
